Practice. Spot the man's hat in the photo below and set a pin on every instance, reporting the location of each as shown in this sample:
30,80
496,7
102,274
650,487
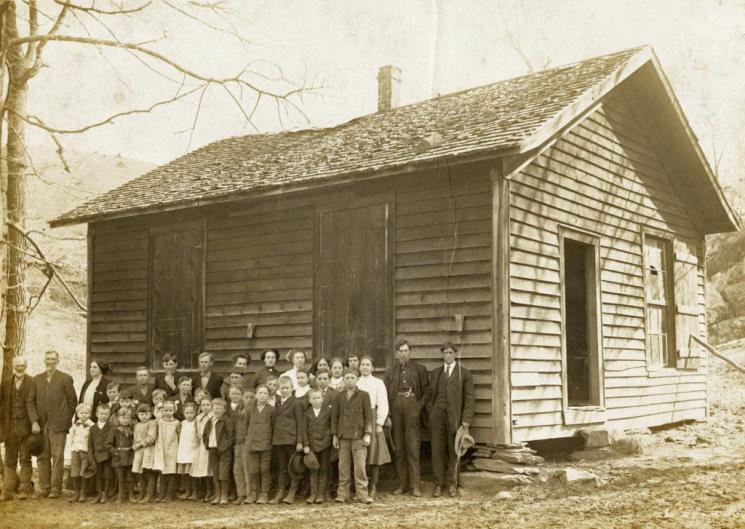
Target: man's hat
296,468
311,461
463,441
448,345
35,444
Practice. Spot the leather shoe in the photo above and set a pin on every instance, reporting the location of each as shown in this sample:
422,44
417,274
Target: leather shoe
437,492
53,495
399,491
452,491
416,492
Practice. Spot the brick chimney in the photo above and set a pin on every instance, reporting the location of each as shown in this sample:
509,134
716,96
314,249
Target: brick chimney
389,81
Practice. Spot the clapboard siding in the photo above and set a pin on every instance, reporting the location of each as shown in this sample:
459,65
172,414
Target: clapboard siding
118,319
601,176
259,270
443,268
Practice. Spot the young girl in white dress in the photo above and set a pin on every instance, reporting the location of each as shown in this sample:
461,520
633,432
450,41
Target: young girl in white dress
166,450
187,447
377,452
200,463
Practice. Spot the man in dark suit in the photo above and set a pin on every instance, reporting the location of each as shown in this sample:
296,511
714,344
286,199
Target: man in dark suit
142,391
407,384
450,404
206,378
17,412
54,399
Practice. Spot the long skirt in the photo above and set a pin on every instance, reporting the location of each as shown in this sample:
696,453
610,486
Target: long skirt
377,452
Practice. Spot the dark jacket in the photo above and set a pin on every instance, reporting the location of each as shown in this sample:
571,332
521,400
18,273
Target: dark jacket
97,448
352,417
238,418
288,420
179,415
329,399
317,430
460,396
55,401
99,397
263,373
418,378
20,426
224,432
160,383
213,383
119,444
143,395
259,428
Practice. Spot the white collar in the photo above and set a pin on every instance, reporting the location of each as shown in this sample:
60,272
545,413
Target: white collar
449,367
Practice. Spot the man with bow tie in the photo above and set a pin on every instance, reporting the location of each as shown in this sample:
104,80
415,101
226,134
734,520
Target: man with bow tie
450,405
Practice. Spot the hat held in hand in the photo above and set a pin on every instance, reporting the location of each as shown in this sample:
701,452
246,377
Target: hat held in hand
463,441
296,468
311,461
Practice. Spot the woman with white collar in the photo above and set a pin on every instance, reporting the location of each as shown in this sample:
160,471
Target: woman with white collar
298,359
377,452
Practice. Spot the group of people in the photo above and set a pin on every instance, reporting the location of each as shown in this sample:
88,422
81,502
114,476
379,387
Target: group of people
264,437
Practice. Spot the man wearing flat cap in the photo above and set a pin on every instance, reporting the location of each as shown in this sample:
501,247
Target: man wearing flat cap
450,404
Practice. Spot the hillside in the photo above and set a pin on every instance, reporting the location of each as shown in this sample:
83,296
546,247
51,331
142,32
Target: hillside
57,322
725,274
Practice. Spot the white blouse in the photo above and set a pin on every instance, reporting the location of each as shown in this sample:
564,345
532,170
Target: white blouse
378,396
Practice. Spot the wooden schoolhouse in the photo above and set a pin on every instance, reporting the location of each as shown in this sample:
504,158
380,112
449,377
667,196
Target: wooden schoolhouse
551,225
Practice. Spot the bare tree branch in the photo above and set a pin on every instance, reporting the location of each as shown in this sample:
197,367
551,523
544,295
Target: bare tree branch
38,122
238,78
93,9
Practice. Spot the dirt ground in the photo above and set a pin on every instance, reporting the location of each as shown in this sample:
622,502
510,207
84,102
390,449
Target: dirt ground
690,476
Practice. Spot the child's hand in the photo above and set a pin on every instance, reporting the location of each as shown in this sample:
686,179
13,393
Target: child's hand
387,422
335,442
306,450
299,447
366,440
379,429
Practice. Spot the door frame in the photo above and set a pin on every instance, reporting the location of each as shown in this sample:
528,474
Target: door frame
388,200
594,413
196,226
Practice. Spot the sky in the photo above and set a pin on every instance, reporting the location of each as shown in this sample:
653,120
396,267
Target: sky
335,49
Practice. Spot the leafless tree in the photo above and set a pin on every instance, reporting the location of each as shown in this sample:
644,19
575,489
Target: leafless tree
27,29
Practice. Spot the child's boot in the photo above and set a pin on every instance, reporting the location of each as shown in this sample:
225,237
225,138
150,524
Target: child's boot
218,493
75,482
322,486
122,495
131,493
313,490
83,496
251,489
290,498
187,489
209,491
194,487
277,496
224,492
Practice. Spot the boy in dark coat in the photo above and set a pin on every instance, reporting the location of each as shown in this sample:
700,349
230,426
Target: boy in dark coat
119,444
287,437
351,427
219,438
99,453
259,423
317,439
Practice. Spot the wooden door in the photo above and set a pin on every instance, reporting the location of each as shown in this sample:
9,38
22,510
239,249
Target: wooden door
354,283
176,294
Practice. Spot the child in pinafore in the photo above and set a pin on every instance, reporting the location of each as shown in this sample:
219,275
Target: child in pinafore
80,466
145,434
166,451
200,463
186,449
120,443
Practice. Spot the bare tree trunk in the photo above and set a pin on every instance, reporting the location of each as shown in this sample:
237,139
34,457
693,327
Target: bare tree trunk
16,296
